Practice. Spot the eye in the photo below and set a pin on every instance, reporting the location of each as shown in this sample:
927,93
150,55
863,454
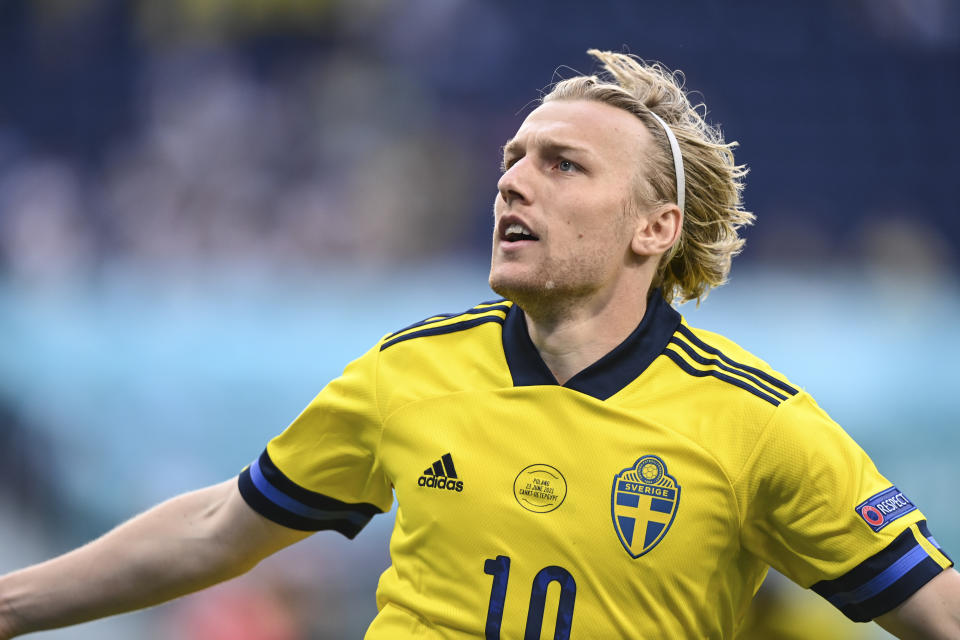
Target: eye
566,166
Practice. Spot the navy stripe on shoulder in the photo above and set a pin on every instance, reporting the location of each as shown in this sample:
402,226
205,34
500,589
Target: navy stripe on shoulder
447,328
720,365
274,496
436,318
689,335
480,308
700,373
883,581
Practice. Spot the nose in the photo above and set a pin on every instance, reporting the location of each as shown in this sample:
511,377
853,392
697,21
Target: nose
513,187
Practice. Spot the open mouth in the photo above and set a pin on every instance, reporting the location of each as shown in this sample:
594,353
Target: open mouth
515,232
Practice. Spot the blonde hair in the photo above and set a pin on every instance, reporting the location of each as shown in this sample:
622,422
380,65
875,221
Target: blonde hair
713,211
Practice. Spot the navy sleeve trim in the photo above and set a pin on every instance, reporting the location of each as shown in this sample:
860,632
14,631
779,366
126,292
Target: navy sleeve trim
925,531
277,498
883,581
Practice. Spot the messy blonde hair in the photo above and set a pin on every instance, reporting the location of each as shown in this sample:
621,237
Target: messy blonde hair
713,211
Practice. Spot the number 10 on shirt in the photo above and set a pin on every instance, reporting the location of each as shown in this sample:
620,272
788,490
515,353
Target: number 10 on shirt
499,568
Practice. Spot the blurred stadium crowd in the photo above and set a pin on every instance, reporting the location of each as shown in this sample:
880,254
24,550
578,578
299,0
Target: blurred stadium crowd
316,130
149,148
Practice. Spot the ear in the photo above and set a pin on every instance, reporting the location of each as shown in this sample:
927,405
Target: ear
657,230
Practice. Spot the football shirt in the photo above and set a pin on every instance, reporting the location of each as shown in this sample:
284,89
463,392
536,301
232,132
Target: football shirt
646,497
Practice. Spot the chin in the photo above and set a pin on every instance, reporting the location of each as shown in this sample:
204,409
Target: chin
508,287
501,286
522,291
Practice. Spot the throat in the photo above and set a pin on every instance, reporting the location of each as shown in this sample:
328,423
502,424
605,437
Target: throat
570,344
565,368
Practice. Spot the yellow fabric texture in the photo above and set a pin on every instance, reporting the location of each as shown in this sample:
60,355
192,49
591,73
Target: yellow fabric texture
755,484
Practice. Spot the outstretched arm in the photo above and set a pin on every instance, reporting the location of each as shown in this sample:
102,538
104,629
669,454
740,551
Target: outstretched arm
183,545
932,613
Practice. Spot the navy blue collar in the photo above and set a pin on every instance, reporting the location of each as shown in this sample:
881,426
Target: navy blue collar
609,374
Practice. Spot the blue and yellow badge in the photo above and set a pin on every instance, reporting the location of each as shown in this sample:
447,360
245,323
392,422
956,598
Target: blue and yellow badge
644,502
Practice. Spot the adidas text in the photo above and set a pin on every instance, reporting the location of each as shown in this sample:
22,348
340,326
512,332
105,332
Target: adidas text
442,474
441,483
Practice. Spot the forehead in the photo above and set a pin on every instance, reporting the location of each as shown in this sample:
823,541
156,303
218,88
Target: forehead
598,128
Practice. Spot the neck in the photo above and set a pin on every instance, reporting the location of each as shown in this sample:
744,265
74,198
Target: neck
572,337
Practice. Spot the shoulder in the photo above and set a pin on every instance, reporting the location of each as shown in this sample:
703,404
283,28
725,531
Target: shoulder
442,354
727,368
434,350
442,324
716,393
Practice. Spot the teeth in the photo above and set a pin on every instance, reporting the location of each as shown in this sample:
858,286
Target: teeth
518,228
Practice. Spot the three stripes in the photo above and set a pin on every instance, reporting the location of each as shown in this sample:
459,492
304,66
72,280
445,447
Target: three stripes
492,311
442,467
697,358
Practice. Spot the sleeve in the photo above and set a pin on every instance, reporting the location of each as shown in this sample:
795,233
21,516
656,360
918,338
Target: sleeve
324,470
815,508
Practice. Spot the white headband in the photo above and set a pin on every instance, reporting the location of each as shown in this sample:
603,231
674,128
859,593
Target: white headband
677,160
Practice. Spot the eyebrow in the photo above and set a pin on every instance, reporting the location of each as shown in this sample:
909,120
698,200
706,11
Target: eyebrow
549,145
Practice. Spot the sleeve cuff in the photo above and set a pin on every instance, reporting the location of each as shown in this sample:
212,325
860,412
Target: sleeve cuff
885,580
277,498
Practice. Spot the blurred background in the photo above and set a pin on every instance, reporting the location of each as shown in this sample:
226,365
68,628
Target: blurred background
208,207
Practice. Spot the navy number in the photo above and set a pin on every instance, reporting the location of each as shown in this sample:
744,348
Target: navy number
499,568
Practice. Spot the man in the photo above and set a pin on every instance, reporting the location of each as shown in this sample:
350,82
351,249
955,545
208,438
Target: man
577,432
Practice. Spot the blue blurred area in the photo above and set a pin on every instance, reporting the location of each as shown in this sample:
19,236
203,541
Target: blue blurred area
207,208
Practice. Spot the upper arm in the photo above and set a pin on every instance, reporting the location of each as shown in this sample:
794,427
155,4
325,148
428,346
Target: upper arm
932,612
252,535
821,513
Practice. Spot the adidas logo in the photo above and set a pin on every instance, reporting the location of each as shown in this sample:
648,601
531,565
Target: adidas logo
442,475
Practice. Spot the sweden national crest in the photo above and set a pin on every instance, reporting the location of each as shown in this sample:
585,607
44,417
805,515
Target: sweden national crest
644,502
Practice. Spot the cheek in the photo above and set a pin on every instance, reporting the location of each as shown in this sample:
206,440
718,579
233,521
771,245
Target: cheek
598,223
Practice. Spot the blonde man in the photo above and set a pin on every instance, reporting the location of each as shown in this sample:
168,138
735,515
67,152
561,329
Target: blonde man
573,459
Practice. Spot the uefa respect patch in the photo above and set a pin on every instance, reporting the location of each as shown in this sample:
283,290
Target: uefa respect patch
880,510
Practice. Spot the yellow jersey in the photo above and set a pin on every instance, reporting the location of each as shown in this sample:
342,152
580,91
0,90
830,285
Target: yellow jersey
644,498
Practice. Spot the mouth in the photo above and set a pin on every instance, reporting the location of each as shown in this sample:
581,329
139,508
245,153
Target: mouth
513,230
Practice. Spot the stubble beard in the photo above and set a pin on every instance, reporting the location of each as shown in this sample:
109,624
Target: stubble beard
552,290
556,287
